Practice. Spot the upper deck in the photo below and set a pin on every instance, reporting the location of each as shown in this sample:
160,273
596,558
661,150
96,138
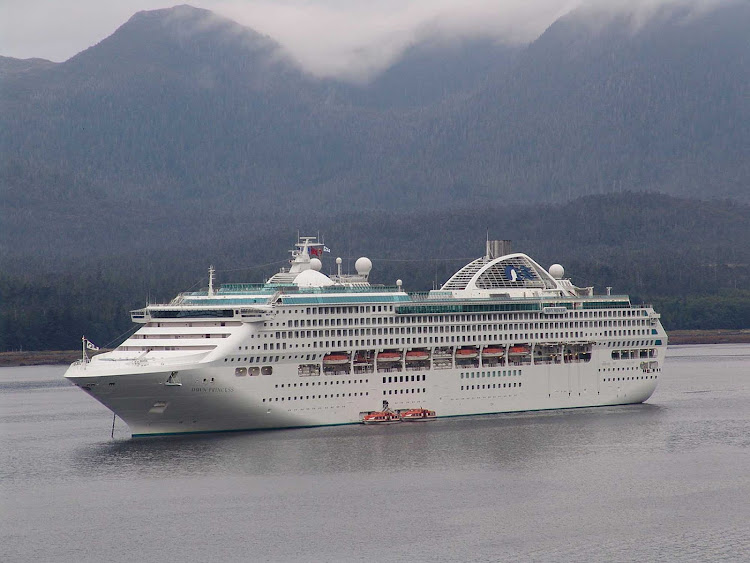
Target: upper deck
510,282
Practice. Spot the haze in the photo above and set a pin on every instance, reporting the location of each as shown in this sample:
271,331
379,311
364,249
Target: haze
351,39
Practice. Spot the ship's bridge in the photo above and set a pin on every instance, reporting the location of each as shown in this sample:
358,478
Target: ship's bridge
305,268
514,275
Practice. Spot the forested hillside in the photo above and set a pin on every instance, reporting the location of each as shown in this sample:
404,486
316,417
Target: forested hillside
692,261
185,139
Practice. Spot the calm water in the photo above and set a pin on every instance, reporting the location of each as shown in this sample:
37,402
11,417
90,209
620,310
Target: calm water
667,480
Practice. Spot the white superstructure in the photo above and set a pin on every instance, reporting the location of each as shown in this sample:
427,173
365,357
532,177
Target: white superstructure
306,349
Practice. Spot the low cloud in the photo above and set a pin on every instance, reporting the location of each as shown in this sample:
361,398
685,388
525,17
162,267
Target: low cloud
355,40
349,39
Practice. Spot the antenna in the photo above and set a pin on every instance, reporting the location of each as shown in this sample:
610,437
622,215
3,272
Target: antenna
211,281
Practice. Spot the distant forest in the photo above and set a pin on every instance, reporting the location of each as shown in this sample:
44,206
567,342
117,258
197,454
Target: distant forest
184,139
690,259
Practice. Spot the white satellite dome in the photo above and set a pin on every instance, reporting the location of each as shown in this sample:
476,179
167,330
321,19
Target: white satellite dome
312,278
316,264
556,271
363,266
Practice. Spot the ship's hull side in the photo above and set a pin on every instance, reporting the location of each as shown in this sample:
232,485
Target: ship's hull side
211,398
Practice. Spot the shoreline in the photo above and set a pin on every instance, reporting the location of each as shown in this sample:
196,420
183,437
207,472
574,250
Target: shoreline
676,338
40,358
719,336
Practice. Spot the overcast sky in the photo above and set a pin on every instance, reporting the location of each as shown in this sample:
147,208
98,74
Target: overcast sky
328,37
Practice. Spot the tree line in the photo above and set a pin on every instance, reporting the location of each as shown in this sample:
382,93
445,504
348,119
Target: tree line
690,259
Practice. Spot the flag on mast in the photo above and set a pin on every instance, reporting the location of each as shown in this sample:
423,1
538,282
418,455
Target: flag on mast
91,346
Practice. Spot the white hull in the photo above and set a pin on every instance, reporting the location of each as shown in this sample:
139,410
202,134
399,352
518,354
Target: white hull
212,399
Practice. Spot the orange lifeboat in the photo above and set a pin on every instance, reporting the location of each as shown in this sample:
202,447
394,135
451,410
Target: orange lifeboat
335,359
417,355
519,349
418,415
381,417
389,357
466,353
493,352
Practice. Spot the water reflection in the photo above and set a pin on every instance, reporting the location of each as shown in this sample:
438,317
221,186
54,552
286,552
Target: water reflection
665,480
29,385
493,441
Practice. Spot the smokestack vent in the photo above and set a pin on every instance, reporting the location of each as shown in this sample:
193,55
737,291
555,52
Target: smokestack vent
497,248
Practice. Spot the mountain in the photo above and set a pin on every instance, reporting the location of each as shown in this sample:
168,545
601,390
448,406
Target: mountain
9,67
603,106
432,70
165,107
182,122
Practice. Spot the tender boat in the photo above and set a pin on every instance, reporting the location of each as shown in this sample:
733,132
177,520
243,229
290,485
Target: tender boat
493,352
466,353
381,417
335,359
418,415
389,357
417,355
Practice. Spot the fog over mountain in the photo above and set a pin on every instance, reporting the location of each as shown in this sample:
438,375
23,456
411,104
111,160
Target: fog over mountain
199,118
352,40
356,41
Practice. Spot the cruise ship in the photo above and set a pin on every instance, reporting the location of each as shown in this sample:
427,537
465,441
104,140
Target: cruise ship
502,335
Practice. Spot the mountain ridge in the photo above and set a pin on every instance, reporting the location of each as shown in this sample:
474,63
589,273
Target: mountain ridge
211,120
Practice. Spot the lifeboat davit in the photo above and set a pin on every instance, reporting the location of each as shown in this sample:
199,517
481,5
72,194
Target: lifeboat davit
418,415
335,359
520,349
493,352
381,417
466,353
416,355
389,357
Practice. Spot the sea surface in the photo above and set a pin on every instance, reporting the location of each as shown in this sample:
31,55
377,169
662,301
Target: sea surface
668,480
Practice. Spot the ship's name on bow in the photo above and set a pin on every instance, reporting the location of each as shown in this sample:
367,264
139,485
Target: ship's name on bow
212,389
